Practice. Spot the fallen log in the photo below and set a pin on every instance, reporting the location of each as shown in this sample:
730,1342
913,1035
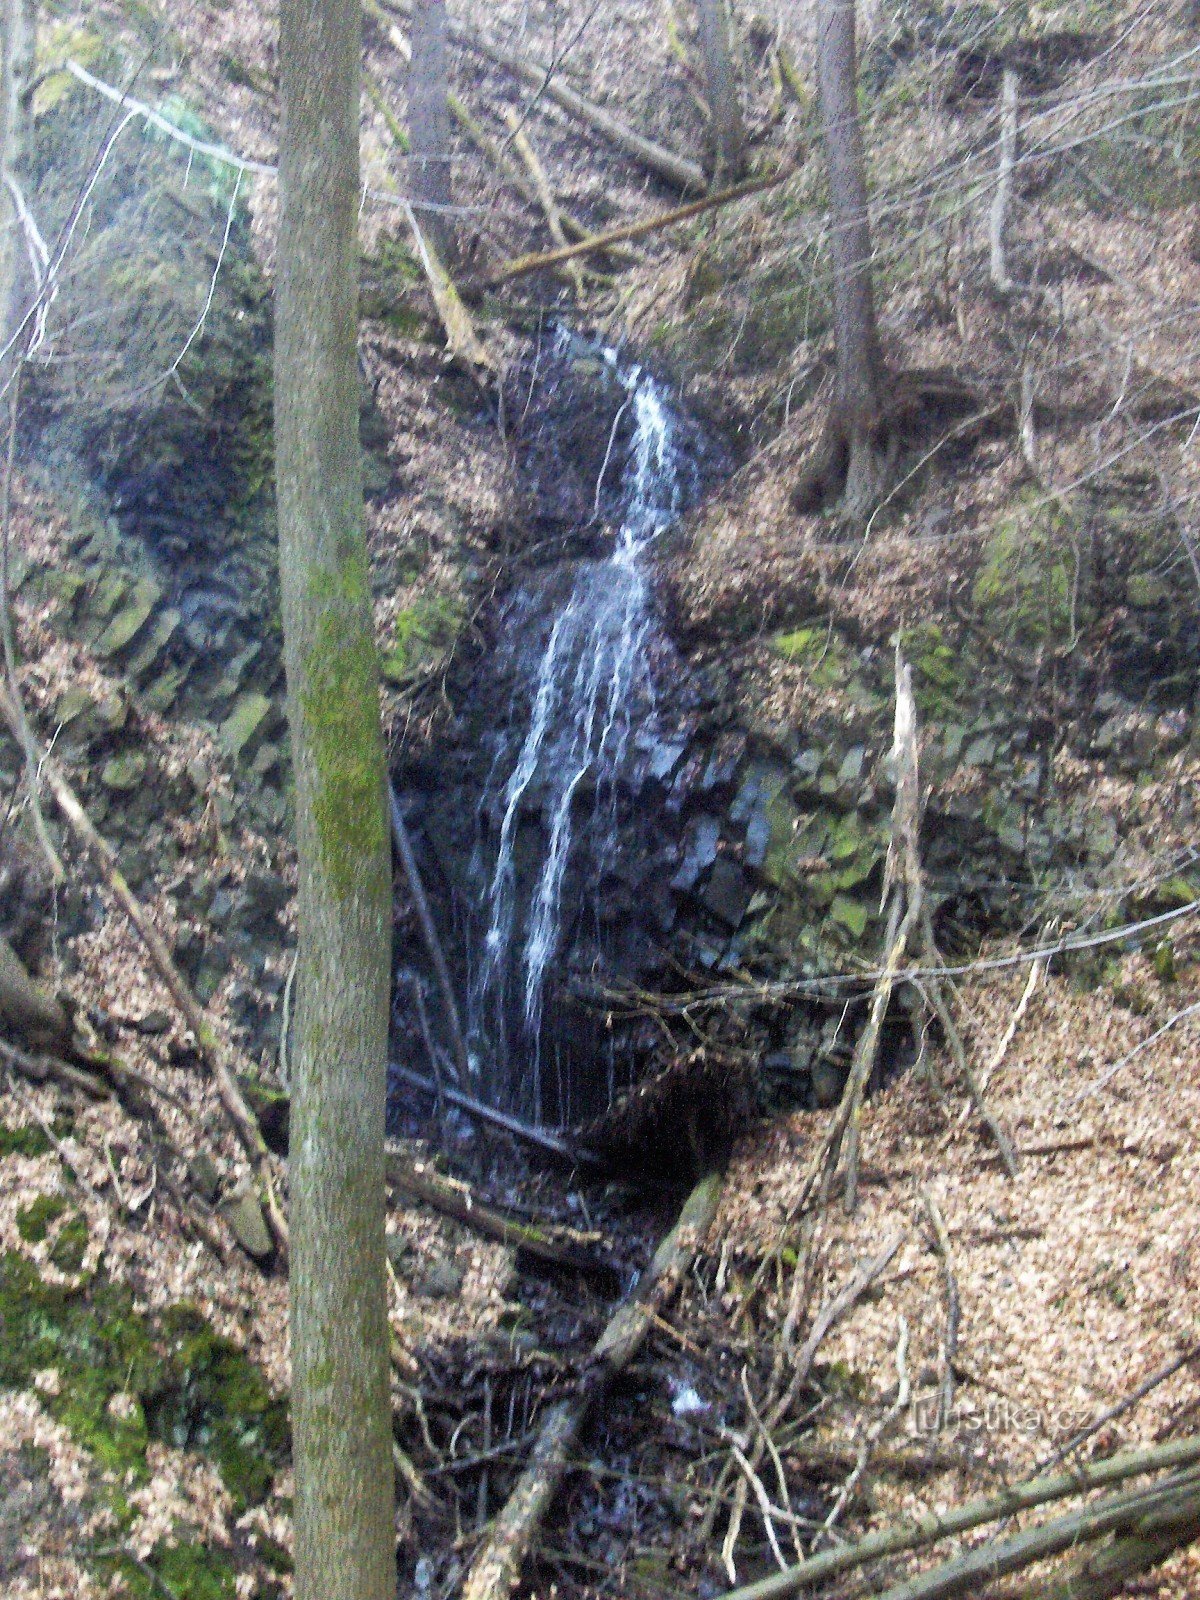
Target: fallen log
456,1200
497,1566
25,1006
520,266
656,158
934,1526
104,858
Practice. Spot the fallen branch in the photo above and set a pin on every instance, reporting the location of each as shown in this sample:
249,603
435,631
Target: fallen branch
676,169
1174,1503
520,266
1009,90
433,944
25,1006
1107,1571
933,1526
456,1200
104,859
497,1566
461,338
552,1143
545,195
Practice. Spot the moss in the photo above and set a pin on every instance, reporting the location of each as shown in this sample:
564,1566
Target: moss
35,1220
222,1406
819,651
340,698
1027,583
70,1247
938,678
179,1381
188,1571
26,1141
422,637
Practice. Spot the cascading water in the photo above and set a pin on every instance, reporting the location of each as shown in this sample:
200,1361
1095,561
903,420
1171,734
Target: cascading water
591,686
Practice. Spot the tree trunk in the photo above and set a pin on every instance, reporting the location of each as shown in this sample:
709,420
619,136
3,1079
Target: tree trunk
19,57
429,125
727,132
856,424
345,1543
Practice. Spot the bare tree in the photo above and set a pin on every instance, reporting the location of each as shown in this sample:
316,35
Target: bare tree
429,124
727,131
341,1427
858,450
19,54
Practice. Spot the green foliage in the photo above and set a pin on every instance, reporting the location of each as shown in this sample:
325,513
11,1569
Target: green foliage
938,686
1027,582
423,635
819,651
35,1220
177,1380
25,1141
188,1571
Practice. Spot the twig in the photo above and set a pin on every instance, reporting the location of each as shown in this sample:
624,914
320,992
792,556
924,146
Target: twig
60,1149
1036,972
40,1067
878,1429
1126,1403
497,1567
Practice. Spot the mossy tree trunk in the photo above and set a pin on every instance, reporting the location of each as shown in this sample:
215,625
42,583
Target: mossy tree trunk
857,439
429,125
345,1546
727,131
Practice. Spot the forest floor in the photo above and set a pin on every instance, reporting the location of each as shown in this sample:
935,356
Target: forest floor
143,1352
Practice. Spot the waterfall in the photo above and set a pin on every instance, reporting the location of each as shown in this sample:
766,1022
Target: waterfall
590,686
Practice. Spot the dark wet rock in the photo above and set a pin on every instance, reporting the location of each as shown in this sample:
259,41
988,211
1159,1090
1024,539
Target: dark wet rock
244,721
727,893
124,773
701,844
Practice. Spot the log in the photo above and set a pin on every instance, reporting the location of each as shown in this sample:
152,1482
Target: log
656,158
497,1566
104,858
456,1200
521,266
541,1138
933,1526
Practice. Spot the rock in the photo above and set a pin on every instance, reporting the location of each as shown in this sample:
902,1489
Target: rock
699,851
153,1023
441,1280
124,773
156,640
828,1081
727,893
130,620
981,751
245,1217
206,1180
243,722
400,1252
852,915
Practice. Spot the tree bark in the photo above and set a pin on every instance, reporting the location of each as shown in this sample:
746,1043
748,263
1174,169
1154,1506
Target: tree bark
429,125
727,131
858,397
19,54
345,1548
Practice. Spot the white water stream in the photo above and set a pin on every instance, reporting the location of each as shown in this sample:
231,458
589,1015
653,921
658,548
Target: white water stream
591,676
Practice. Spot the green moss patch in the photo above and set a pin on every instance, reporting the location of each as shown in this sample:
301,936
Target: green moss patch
188,1571
422,638
127,1376
35,1220
1027,584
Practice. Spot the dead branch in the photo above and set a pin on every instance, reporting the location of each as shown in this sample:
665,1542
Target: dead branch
1009,90
462,341
541,1139
521,266
545,195
39,1068
932,1526
1108,1571
1173,1503
676,169
104,859
456,1200
433,945
497,1567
